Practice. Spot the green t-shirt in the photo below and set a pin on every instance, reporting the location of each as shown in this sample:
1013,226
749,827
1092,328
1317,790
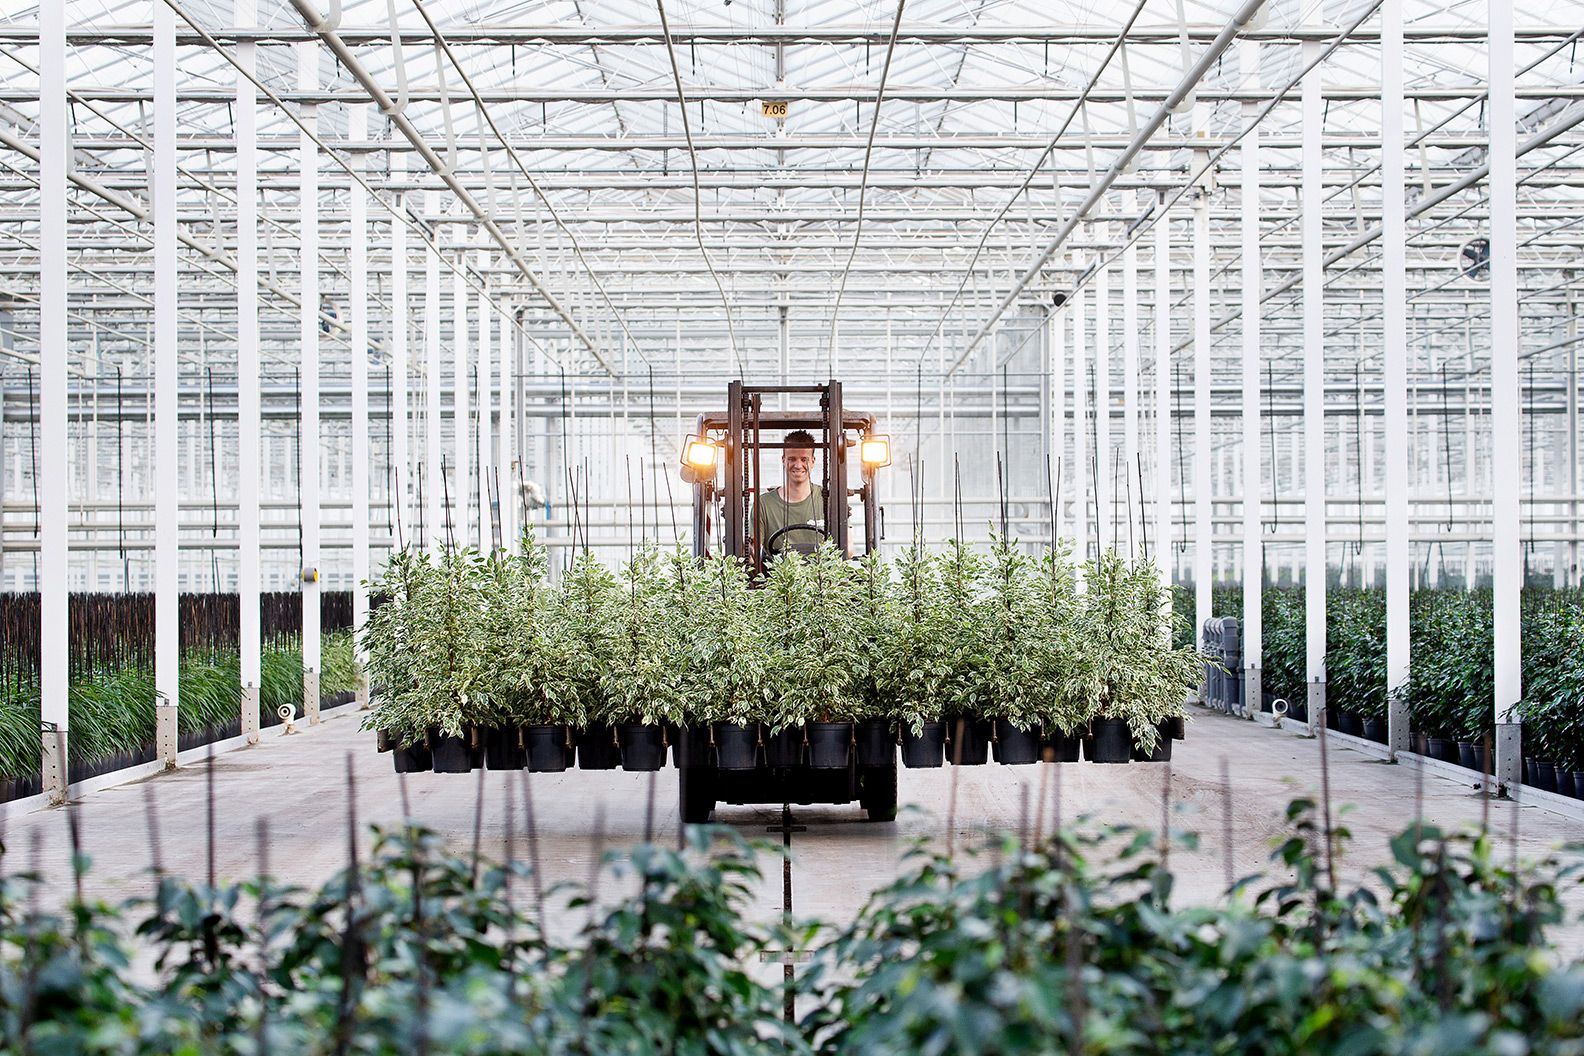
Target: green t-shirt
772,513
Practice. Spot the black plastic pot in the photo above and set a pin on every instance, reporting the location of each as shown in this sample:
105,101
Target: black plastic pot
1061,747
597,749
1176,727
503,749
1578,784
1444,749
452,755
1471,754
1375,730
1015,747
830,745
970,741
1161,753
925,749
736,747
1298,711
1109,742
1349,723
642,746
414,760
547,751
876,743
1545,776
691,747
1421,744
784,747
1531,773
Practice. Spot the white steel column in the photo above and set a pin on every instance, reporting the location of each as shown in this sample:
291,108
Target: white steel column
486,385
1130,379
1056,329
506,358
1394,338
308,467
248,415
167,436
1080,430
400,455
434,526
1312,108
1506,408
54,436
460,476
1105,481
1253,485
1165,560
1203,543
358,294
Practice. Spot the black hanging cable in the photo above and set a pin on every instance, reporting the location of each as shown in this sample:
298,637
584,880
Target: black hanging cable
423,526
1050,500
918,416
126,567
654,451
1001,504
297,433
1270,432
1530,469
1358,440
445,499
1144,543
1182,471
390,463
34,408
1127,487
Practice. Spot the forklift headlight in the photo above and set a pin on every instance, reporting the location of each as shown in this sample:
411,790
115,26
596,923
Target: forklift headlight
699,454
875,451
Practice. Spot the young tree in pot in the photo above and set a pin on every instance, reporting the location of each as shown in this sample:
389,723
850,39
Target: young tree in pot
968,725
824,685
1067,679
685,601
911,668
1014,653
731,662
873,621
585,614
1142,681
457,601
785,600
392,640
518,667
638,687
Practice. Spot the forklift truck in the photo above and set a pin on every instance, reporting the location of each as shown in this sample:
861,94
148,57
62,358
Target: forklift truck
721,461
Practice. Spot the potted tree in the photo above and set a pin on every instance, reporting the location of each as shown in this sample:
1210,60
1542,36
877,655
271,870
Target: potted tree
637,686
584,615
824,685
912,668
874,735
1015,647
1142,681
732,662
1066,677
685,601
391,639
445,647
968,727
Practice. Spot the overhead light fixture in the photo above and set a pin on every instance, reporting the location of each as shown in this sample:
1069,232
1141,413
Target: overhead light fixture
875,451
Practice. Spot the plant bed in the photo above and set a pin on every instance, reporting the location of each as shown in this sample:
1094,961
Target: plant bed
642,746
830,745
1014,746
925,749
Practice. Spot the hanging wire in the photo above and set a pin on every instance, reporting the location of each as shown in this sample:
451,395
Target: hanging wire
1270,430
33,411
126,565
214,482
1358,441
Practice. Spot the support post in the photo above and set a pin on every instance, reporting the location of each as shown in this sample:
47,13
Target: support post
308,466
54,351
167,436
1394,338
434,527
1057,329
1313,264
1506,407
358,294
1130,382
1203,541
461,430
1164,557
1253,484
400,455
1105,486
249,626
1080,431
486,387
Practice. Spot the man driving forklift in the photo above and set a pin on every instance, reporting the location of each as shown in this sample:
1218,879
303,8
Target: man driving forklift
797,501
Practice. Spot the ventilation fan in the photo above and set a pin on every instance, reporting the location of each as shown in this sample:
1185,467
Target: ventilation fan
1474,259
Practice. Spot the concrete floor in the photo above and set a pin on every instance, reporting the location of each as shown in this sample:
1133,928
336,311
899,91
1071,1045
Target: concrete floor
299,783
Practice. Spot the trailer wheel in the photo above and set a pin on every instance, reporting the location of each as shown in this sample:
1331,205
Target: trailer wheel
696,793
877,792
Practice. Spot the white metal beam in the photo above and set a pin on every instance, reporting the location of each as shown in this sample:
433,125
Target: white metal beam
1130,383
434,526
1203,540
167,435
1165,559
1394,359
250,631
1253,483
1315,580
460,475
358,294
308,464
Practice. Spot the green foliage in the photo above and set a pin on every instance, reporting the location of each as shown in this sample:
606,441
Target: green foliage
636,683
1067,944
730,658
1140,679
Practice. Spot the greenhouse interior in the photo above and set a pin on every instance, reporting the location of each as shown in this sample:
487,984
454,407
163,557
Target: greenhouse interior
814,526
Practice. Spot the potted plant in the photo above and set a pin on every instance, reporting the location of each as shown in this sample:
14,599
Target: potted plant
1015,650
585,612
874,736
681,632
824,686
391,639
731,663
962,637
1142,681
1066,678
785,599
637,687
912,669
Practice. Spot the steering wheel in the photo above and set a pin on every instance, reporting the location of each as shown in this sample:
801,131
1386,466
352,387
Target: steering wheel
803,548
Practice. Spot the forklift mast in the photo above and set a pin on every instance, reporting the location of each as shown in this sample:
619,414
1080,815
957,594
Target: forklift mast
739,433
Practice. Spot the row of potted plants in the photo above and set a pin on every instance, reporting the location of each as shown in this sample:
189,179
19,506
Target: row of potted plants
481,658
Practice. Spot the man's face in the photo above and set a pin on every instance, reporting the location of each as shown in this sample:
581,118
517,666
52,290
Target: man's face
798,463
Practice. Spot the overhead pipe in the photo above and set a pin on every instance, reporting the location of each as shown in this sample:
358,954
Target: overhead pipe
1207,59
327,33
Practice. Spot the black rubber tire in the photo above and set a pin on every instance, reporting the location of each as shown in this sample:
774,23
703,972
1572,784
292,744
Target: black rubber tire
696,793
877,793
